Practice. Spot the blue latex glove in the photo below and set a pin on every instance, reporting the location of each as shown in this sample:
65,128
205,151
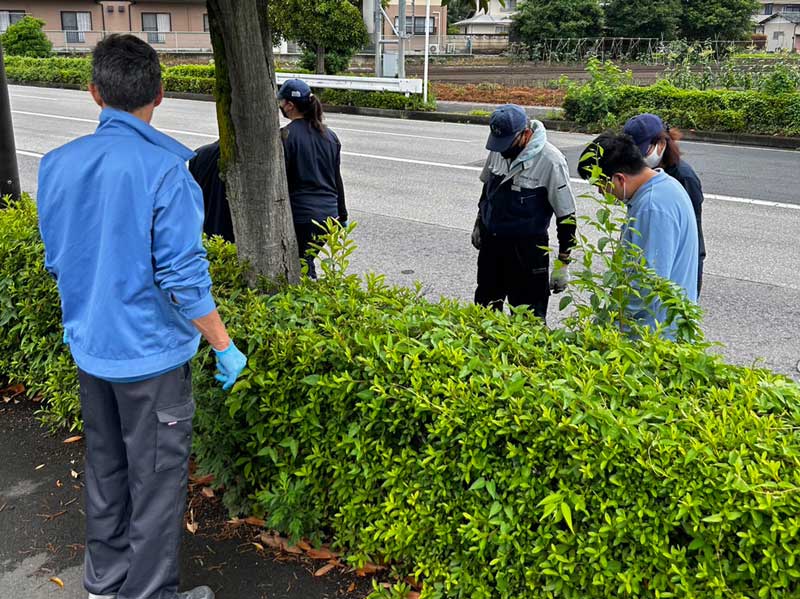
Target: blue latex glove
66,337
230,364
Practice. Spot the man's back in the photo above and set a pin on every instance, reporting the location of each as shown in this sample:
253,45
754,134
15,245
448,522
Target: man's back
108,205
205,170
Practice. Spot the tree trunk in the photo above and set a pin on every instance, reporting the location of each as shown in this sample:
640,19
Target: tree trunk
251,159
320,60
9,172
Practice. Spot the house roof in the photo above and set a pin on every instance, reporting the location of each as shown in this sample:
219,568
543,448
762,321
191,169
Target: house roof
792,17
484,19
759,19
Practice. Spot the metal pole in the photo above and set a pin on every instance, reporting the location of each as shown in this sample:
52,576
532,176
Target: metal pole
9,171
401,41
427,50
378,16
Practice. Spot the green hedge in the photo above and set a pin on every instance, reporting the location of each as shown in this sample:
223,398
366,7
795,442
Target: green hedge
196,79
484,454
387,100
712,110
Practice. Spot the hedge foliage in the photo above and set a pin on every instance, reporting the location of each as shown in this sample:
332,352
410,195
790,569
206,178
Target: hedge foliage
483,453
195,79
607,101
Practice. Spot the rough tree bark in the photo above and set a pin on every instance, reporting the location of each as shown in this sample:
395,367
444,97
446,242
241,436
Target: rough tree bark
251,162
9,172
320,60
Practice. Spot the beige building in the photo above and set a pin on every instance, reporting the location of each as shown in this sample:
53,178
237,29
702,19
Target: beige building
415,23
495,21
780,23
77,25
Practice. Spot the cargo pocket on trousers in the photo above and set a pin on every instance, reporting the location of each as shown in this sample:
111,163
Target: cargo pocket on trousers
174,436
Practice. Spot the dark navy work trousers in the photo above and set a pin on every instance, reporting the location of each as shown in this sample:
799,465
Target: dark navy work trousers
138,441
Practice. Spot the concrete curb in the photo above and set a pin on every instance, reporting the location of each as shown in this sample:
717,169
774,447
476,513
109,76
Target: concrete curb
738,139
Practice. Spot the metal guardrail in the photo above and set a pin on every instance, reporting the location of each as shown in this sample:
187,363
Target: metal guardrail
379,84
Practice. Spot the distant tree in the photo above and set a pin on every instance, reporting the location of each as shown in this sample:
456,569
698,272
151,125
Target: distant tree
640,18
717,19
321,27
537,20
27,38
458,10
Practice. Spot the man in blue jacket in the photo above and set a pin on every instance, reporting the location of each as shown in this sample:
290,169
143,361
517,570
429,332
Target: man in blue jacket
121,220
661,219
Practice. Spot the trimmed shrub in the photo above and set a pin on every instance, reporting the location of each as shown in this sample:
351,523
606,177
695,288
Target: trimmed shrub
387,100
710,110
26,38
63,71
482,453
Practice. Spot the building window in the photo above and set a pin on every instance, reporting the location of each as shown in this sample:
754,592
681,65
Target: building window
417,25
768,9
74,24
9,17
777,35
511,5
791,8
157,25
206,26
501,30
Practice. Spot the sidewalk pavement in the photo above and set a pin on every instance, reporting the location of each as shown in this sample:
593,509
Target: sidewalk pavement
41,530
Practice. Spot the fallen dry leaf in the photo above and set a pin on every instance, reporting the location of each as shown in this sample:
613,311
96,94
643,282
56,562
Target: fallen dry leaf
74,439
203,480
413,595
293,549
369,568
324,570
59,484
13,390
304,546
274,541
39,467
321,553
192,527
74,474
351,588
253,521
58,581
207,492
259,546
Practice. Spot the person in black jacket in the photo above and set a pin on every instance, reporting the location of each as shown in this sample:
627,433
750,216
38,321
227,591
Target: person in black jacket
313,167
658,144
205,170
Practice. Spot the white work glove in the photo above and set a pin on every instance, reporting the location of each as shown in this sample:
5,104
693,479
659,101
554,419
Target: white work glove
476,234
559,278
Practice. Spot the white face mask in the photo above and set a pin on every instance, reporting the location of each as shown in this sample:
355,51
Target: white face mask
653,159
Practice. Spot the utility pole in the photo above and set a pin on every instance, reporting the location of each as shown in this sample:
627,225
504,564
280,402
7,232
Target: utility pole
402,30
9,171
378,20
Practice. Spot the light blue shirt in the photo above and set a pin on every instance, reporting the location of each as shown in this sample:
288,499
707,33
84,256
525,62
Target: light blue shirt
121,219
663,226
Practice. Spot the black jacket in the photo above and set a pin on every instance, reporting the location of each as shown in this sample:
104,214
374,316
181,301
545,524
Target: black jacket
205,170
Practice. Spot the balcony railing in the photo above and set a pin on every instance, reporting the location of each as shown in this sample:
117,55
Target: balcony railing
163,41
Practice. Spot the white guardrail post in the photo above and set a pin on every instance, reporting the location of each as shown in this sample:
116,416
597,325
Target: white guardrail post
375,84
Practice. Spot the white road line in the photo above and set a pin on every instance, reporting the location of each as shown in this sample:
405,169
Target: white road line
31,154
411,161
15,95
373,132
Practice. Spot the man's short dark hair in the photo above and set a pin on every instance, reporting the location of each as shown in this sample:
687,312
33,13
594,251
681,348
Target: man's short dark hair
126,72
614,153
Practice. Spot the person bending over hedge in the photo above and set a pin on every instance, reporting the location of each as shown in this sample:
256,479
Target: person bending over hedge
660,219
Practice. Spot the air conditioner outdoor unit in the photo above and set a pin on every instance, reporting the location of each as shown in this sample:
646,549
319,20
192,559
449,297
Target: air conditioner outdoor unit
433,48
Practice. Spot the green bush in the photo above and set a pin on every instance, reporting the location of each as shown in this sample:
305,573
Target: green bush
203,71
483,453
64,71
335,62
387,100
26,38
710,110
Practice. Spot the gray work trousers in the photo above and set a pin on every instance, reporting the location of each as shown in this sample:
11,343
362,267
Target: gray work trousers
138,441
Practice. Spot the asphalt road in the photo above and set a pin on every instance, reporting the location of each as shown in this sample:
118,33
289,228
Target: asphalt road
413,188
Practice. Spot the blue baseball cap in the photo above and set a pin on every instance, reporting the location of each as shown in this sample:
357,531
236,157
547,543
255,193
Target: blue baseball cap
506,123
644,128
294,90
